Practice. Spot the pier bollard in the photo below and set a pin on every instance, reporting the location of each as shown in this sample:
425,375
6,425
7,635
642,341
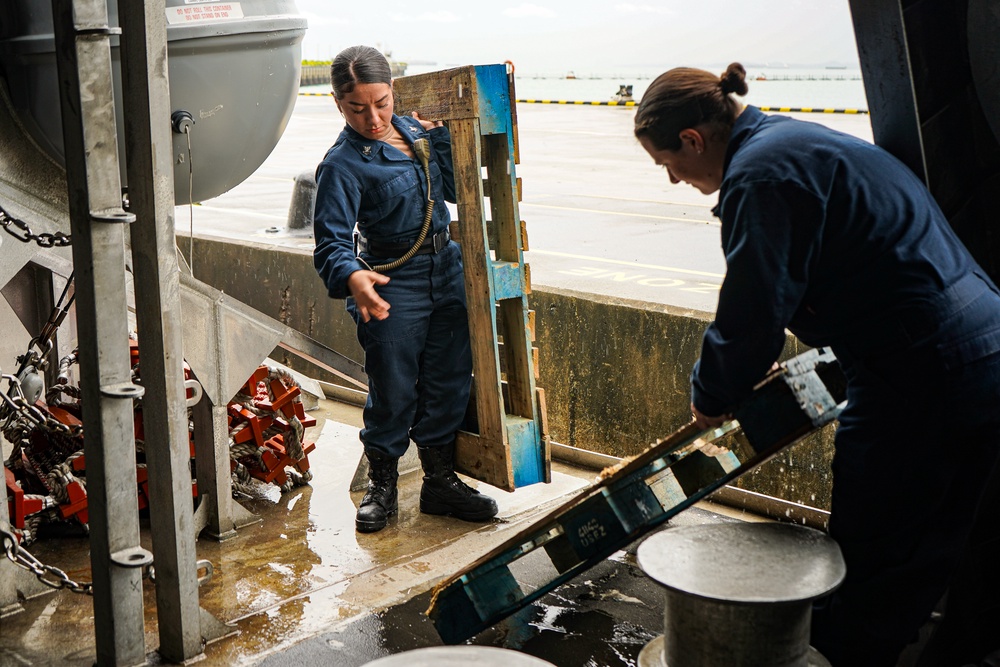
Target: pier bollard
460,656
739,594
300,212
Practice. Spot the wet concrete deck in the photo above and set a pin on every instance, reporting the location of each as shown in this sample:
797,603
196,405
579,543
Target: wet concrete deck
301,586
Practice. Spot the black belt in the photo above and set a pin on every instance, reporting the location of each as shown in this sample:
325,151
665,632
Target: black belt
431,245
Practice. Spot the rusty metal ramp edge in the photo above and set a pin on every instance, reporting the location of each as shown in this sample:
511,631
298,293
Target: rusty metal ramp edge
632,499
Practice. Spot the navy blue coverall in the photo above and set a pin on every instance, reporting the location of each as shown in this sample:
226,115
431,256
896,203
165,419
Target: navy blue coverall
418,360
836,240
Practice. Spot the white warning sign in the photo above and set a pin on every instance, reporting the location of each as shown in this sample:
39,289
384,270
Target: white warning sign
204,13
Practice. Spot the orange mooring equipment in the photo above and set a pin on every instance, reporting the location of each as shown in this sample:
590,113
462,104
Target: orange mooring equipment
267,425
273,422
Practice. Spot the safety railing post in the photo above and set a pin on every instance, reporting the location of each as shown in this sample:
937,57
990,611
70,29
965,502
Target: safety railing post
97,221
148,147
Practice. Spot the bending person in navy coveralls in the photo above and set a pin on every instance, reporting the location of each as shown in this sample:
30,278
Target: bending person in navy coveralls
836,240
403,283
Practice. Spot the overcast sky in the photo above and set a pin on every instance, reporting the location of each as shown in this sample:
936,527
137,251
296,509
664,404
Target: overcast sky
542,36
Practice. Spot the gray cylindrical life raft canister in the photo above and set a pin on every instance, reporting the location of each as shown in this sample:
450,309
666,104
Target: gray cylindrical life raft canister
233,66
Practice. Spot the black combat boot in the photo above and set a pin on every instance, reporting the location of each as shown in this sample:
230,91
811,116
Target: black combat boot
444,493
380,501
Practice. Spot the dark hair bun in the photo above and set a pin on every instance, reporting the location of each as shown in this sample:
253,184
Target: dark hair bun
734,80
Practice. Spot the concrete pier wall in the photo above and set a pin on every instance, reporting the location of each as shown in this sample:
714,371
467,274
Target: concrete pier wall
615,371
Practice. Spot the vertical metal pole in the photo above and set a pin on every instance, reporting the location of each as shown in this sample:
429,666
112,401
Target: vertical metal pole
214,485
9,603
148,145
880,31
83,58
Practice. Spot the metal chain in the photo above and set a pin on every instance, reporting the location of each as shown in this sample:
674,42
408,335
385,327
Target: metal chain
14,402
23,233
51,576
55,578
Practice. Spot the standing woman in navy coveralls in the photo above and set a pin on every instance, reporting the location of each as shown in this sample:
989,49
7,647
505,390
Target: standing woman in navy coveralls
412,320
837,241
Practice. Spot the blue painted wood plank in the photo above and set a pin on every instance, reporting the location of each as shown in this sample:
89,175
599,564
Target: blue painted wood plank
526,454
494,99
508,280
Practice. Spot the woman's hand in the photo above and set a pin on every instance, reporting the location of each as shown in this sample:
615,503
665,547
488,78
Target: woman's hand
362,284
705,422
427,124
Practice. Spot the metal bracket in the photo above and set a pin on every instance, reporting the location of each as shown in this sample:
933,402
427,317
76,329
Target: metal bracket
115,215
99,31
809,390
209,569
133,557
123,390
196,390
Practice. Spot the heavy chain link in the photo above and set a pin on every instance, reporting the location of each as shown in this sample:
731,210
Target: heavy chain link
56,579
51,576
20,230
14,403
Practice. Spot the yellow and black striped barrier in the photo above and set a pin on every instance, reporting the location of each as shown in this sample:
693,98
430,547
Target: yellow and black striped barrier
616,103
608,103
812,110
613,103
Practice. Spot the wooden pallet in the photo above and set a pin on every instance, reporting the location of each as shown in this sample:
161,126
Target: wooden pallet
642,494
507,442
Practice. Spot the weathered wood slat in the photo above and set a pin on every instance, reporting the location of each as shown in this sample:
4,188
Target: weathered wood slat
445,95
502,182
503,361
543,420
518,194
484,459
492,235
517,348
478,276
513,127
501,190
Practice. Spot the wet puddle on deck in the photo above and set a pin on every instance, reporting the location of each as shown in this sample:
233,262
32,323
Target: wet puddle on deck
601,620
